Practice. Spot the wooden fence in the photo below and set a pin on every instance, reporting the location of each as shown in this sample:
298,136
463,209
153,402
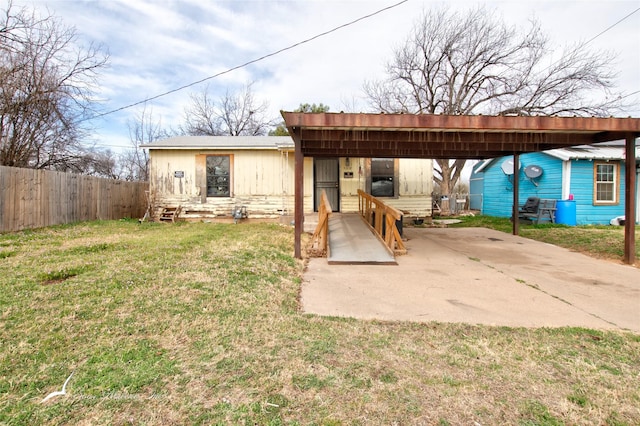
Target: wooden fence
37,198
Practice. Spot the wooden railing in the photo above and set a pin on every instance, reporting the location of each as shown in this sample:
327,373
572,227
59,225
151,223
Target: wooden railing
319,240
376,213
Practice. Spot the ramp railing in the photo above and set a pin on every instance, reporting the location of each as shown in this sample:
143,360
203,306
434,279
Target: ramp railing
382,218
320,238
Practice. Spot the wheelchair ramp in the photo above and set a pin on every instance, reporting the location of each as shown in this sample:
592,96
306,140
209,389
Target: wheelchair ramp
351,241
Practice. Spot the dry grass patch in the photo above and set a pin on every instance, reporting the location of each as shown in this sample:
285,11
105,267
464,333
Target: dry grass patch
199,324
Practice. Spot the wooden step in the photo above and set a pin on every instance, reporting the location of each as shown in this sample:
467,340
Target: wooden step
170,214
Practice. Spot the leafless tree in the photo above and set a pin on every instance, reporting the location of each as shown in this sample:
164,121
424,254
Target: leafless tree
134,162
474,63
101,163
234,114
46,89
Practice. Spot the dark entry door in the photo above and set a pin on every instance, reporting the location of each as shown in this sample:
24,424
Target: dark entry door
326,176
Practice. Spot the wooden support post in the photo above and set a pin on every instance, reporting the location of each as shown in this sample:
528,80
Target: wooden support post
299,198
516,193
630,201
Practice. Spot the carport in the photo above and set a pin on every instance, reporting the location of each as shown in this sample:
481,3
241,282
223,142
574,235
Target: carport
452,137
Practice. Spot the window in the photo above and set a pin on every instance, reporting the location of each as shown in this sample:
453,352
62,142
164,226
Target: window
605,183
218,178
383,177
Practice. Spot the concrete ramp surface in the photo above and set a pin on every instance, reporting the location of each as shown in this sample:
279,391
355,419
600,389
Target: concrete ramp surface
352,242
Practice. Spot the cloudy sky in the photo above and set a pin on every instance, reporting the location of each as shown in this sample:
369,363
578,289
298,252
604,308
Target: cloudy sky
157,46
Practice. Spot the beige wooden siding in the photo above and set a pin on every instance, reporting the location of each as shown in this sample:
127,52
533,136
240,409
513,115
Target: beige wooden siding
412,206
415,186
416,177
262,180
258,174
163,165
349,185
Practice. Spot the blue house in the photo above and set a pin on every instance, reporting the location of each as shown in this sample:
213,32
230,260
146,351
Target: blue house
593,176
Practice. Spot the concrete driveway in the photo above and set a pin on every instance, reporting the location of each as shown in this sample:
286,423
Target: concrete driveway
479,276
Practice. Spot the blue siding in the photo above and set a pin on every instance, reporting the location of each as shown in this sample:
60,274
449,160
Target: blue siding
582,189
476,188
498,189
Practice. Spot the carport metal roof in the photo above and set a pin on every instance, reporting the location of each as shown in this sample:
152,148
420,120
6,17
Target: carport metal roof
451,137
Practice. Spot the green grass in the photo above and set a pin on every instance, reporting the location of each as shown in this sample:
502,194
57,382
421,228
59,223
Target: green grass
199,324
601,241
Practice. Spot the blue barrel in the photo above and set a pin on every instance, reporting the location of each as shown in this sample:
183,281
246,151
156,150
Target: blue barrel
566,212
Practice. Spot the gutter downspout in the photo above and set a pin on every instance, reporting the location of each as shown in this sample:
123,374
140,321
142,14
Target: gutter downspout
566,179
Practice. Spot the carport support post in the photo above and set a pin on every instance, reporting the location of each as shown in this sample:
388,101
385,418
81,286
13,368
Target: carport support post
516,192
629,200
299,197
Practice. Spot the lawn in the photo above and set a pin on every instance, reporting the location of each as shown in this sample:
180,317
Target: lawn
198,323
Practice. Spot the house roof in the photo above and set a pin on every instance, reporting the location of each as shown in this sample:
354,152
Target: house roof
590,152
582,152
223,143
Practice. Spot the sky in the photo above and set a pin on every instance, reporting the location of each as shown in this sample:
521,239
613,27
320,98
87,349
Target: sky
159,46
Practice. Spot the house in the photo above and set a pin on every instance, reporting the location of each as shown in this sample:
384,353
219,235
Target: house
208,176
592,175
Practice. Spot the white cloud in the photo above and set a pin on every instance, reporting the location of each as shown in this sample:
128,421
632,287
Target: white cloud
157,46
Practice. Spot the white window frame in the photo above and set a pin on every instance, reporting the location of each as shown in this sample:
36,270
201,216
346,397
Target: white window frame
615,175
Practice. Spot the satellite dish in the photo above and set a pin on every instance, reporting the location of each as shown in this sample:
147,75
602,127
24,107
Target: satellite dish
533,171
507,167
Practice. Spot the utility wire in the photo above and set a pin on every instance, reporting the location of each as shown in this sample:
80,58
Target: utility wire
253,61
607,29
582,45
604,31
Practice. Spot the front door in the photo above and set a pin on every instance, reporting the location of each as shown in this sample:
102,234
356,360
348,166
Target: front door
326,176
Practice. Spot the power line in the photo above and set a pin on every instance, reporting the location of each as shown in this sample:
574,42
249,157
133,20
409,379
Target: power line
253,61
607,29
582,45
630,94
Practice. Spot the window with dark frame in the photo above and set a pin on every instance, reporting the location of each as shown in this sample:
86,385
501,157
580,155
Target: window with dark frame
605,183
218,176
382,177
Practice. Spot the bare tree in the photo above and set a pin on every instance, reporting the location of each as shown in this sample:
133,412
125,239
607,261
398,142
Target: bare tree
46,84
101,163
144,129
474,63
234,114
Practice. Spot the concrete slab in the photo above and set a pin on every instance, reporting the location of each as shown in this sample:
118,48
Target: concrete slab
479,276
351,242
